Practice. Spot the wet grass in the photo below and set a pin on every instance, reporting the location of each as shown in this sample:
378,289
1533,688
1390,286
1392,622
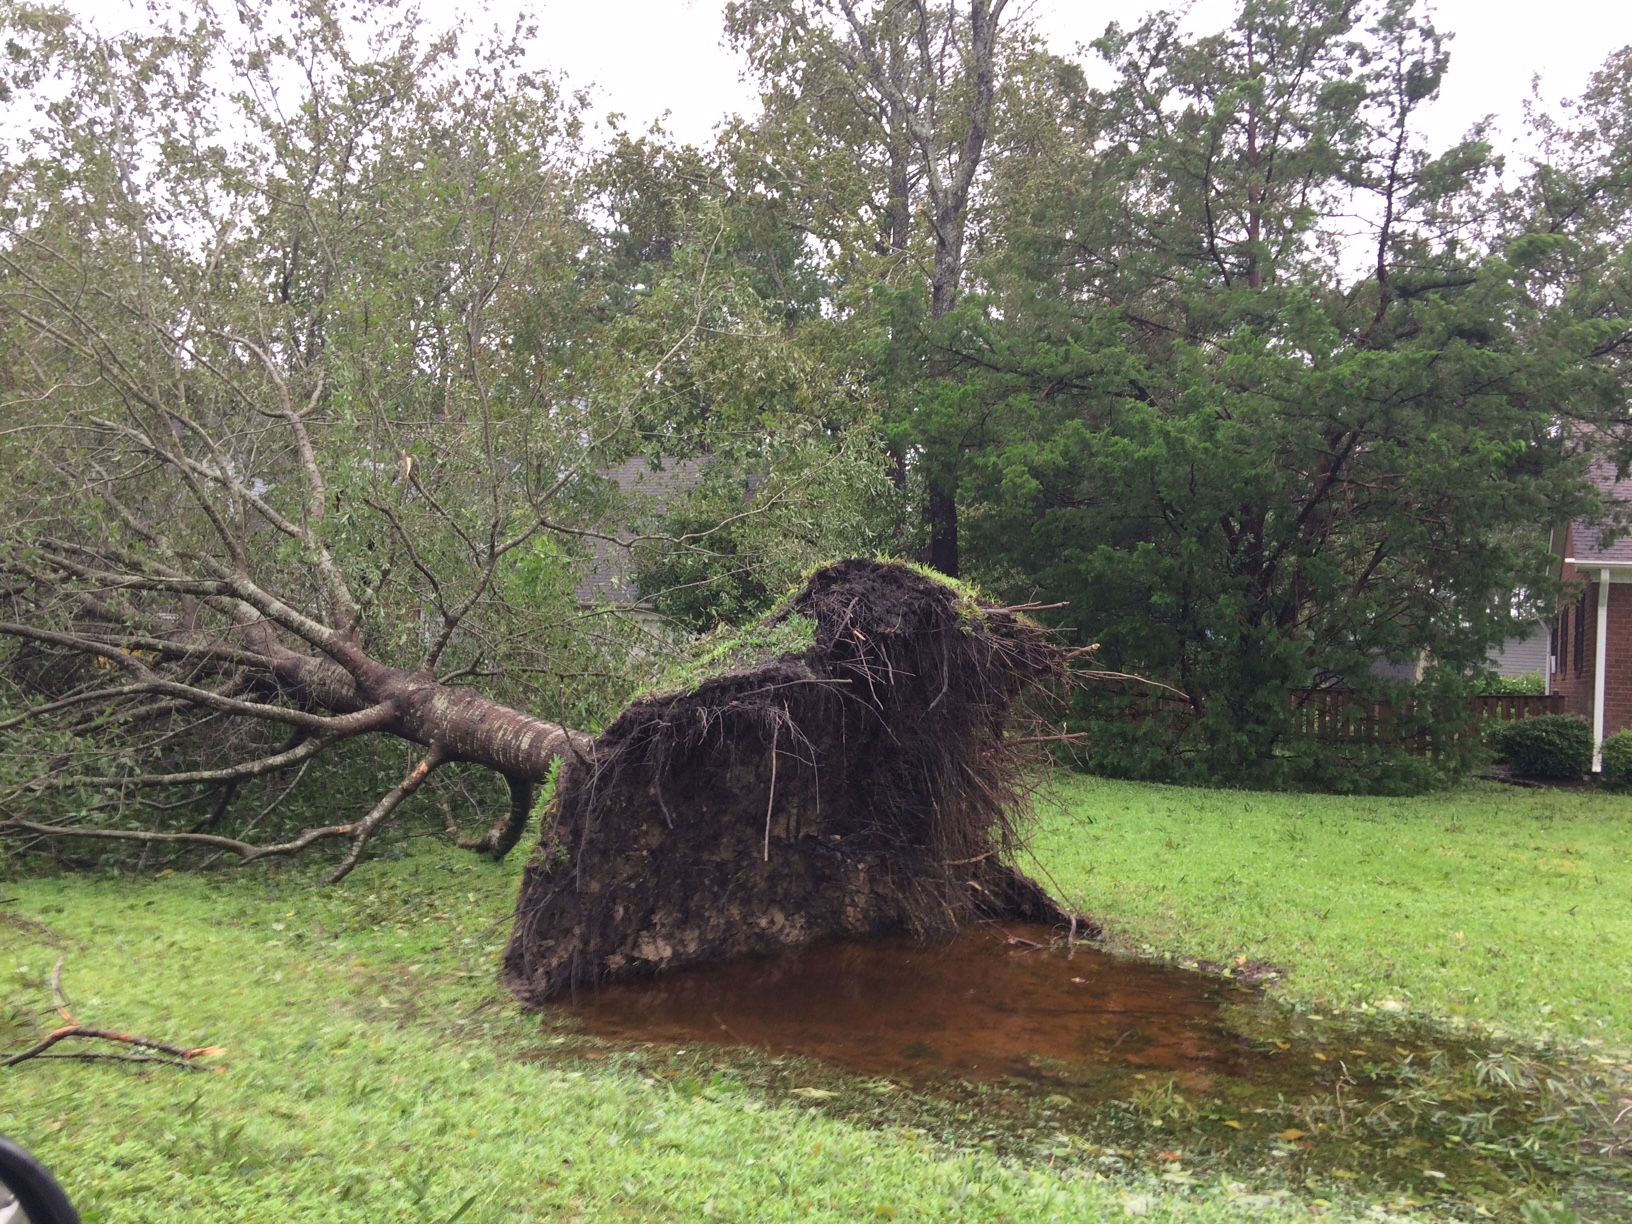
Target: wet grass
374,1072
1172,1076
1504,907
1484,936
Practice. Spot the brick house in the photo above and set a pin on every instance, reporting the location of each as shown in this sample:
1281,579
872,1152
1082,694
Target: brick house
1590,645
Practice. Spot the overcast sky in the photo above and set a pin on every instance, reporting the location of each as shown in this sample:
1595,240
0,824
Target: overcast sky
647,57
651,56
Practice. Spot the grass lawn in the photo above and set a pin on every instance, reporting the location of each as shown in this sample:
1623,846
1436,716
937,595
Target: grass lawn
1504,906
375,1071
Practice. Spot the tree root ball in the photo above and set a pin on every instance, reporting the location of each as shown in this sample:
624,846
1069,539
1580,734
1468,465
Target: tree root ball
861,785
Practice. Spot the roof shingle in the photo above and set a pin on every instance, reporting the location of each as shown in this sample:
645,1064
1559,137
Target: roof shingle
1588,547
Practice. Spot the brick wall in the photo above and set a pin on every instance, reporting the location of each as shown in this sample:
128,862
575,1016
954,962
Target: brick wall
1577,636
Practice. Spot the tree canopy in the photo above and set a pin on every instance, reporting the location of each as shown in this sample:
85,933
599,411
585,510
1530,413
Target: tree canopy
327,334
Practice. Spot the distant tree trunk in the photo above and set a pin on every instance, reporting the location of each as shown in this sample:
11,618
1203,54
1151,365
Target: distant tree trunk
898,221
949,137
942,512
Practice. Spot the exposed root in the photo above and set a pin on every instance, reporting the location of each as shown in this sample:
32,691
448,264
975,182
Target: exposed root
508,829
862,786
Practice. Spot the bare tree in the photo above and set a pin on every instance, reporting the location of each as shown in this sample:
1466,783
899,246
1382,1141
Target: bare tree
943,106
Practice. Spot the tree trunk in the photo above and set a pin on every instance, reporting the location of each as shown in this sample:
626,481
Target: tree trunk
950,225
325,699
943,524
898,222
459,722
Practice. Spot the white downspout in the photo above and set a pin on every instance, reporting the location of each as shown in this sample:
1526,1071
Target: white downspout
1598,676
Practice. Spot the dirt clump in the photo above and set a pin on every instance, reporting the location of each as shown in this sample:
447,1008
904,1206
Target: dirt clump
859,782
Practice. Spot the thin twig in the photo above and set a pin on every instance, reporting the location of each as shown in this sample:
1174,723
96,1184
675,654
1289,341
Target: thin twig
107,1056
246,852
1098,674
1021,939
770,803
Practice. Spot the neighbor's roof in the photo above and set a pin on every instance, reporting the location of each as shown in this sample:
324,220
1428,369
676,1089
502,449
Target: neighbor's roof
609,578
1587,548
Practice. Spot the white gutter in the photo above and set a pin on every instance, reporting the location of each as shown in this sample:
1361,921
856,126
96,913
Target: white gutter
1598,673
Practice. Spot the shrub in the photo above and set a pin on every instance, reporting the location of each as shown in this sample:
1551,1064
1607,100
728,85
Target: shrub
1532,684
1618,758
1553,746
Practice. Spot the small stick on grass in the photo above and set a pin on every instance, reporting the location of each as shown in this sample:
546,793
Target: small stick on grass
183,1056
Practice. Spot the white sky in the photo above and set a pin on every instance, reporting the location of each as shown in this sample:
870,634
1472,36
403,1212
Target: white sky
647,57
651,56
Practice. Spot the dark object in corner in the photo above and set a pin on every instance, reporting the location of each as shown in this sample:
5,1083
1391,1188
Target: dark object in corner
26,1183
859,787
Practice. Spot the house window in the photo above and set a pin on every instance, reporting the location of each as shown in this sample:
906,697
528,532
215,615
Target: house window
1552,648
1581,633
1562,656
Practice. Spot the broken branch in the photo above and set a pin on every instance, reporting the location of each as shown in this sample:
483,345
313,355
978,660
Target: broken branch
181,1056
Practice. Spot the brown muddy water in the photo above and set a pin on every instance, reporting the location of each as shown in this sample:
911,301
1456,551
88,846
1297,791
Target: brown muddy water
1018,1042
986,1005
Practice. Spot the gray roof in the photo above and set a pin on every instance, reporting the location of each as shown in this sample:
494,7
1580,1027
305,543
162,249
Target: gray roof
1588,548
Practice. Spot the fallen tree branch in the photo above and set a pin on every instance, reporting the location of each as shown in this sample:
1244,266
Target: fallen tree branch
79,1030
389,803
107,1056
181,1056
341,727
246,851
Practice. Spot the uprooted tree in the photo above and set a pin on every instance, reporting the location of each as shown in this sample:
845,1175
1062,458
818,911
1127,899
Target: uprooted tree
270,485
846,771
308,388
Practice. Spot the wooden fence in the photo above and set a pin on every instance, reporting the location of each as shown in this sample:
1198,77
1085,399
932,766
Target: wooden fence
1510,707
1335,716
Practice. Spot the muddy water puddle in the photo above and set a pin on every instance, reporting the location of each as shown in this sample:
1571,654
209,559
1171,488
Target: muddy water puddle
1122,1064
989,1004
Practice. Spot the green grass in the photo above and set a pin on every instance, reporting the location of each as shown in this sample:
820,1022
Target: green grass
1506,907
375,1071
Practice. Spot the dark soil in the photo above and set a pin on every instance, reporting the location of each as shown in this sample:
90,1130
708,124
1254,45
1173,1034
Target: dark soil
864,787
1504,773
